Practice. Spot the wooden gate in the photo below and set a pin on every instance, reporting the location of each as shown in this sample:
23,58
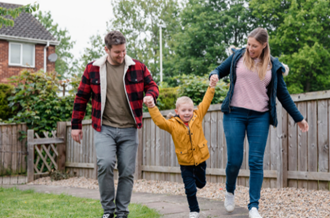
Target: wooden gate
47,151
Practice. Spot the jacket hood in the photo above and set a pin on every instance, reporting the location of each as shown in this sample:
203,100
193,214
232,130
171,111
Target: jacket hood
285,68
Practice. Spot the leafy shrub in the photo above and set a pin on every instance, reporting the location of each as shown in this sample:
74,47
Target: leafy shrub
5,92
195,88
38,104
167,98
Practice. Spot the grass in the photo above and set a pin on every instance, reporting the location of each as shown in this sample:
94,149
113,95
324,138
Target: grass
17,203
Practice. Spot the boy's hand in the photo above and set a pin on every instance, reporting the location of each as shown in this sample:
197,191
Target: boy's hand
149,101
213,80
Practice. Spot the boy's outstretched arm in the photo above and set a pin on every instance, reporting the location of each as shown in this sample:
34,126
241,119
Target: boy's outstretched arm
208,97
155,114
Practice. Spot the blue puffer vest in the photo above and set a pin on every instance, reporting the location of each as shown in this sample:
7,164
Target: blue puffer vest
276,87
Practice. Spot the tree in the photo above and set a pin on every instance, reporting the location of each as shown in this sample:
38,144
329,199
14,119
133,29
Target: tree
208,29
93,52
139,21
15,12
299,35
63,64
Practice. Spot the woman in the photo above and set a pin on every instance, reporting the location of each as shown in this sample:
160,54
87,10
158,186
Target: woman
249,108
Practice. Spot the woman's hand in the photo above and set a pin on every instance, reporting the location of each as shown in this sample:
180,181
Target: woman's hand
303,125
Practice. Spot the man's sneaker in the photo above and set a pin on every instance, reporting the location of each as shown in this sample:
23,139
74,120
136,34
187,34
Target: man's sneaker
229,202
108,215
253,213
193,215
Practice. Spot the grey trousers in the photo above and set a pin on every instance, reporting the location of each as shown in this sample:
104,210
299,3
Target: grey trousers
112,144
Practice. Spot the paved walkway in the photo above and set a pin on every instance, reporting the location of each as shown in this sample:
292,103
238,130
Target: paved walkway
171,206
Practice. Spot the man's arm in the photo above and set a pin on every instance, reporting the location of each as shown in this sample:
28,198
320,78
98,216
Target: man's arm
150,87
79,106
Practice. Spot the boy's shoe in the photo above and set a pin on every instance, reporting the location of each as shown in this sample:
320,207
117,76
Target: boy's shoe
229,202
193,215
253,213
108,215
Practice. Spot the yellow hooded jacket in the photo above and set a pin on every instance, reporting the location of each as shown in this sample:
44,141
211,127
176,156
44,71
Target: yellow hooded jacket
190,143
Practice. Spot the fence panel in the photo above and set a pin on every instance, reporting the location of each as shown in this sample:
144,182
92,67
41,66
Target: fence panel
13,154
292,158
80,159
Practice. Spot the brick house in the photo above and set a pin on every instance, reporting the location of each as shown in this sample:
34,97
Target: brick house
26,45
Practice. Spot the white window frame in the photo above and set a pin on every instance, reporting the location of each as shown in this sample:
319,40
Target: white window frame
21,62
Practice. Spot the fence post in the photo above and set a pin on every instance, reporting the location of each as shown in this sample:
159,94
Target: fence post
61,148
30,168
139,156
282,165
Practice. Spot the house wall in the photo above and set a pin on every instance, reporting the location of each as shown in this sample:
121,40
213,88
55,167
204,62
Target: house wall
7,71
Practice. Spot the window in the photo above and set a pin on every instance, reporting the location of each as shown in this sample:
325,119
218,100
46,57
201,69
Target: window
21,54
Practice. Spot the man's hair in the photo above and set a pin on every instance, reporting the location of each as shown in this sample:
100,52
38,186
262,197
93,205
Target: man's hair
114,38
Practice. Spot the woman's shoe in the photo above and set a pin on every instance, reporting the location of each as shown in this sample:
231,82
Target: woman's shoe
253,213
229,202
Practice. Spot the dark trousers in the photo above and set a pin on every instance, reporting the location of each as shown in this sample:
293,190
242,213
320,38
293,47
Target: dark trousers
193,178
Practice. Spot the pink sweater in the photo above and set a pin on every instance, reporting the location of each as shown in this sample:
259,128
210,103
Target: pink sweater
250,92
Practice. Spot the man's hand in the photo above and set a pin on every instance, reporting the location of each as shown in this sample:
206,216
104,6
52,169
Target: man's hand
303,125
149,101
213,80
77,135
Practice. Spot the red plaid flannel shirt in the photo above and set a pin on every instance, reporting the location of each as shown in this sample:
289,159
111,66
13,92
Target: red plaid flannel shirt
137,80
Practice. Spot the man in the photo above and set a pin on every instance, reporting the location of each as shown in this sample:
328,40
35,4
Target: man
116,83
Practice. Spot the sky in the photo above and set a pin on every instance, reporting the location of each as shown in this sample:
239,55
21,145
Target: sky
81,18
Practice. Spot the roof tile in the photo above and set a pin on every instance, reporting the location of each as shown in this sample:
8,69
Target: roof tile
26,25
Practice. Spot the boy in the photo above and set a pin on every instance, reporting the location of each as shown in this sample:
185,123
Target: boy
189,140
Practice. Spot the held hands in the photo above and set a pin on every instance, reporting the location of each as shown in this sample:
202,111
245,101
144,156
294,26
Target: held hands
213,81
149,101
303,125
77,135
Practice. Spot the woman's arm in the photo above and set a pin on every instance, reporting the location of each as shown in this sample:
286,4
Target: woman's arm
223,69
284,97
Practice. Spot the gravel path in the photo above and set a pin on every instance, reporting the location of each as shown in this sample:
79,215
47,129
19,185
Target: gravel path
286,202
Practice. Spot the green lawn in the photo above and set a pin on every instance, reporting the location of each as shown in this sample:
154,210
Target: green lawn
17,203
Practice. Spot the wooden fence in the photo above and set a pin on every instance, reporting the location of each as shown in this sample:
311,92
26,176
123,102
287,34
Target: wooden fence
13,154
292,158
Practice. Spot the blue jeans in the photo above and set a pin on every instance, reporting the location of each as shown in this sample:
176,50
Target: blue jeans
193,176
112,145
255,125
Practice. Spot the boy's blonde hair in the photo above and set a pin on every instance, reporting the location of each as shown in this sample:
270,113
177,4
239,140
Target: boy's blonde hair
179,101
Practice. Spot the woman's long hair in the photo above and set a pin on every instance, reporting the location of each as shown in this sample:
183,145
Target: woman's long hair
261,35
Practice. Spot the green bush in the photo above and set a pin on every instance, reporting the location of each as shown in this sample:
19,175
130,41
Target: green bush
37,102
167,98
5,93
195,87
